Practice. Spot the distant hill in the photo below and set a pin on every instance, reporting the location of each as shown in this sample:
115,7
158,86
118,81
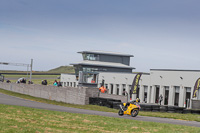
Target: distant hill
58,70
62,69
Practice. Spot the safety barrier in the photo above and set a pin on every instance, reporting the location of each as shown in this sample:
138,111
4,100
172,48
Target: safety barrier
112,103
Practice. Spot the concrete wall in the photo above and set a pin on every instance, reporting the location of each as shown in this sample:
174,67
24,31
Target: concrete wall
70,95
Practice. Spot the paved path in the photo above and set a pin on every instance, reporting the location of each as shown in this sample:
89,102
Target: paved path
10,100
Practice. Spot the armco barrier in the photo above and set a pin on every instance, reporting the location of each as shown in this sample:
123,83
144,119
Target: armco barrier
111,103
155,108
163,108
71,95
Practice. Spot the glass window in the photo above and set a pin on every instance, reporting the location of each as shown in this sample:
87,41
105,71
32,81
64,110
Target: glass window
86,69
90,57
117,86
106,85
90,78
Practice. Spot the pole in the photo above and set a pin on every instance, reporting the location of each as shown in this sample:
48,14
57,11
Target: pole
31,69
27,72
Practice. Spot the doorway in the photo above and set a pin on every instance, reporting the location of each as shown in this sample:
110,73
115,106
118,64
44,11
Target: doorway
157,94
117,89
166,95
176,99
145,93
111,88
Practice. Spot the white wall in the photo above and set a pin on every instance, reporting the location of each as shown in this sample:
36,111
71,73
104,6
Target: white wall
157,78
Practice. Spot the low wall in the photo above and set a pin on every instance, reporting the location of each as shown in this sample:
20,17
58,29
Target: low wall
116,97
195,104
70,95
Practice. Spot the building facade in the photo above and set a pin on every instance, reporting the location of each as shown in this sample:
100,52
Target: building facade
176,86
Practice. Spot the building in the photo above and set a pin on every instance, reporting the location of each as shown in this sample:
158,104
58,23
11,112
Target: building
176,86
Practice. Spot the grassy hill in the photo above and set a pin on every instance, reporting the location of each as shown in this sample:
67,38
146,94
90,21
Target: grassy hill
62,69
58,70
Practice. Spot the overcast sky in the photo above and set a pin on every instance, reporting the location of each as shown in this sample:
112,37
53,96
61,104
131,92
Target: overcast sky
161,34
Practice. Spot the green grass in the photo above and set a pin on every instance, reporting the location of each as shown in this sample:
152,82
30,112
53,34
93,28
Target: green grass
188,117
60,69
33,76
63,69
15,119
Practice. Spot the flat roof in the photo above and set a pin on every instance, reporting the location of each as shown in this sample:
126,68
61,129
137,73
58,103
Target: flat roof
106,53
174,70
100,63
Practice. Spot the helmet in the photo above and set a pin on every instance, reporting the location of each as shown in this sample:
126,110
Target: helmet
138,100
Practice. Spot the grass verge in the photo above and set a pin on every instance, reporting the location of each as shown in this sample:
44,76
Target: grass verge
188,117
22,119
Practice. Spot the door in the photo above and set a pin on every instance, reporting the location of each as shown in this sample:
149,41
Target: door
176,99
157,94
111,87
166,97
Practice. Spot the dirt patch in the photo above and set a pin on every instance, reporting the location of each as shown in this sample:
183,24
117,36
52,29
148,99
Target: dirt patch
14,126
87,121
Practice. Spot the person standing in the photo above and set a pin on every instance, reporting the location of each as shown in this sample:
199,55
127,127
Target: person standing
160,98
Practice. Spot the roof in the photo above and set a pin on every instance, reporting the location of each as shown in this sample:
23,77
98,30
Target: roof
100,63
106,53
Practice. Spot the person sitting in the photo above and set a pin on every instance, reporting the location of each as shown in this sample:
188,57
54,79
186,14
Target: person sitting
55,83
8,81
92,81
135,101
30,82
23,80
44,82
59,84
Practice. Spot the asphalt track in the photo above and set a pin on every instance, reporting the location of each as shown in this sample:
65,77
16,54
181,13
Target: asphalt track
10,100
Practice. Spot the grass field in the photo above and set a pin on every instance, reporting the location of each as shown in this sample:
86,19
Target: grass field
33,76
15,119
60,69
188,117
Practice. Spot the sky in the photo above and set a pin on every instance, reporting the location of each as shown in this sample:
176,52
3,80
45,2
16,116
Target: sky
161,34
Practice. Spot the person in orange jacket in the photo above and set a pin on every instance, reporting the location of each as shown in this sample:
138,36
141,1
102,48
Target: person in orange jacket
102,89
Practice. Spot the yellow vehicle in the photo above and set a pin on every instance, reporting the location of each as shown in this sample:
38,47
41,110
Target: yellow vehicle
130,108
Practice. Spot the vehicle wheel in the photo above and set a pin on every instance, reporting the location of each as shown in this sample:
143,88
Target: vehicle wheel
134,113
120,113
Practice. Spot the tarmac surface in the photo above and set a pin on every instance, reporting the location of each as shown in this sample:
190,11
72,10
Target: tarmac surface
11,100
